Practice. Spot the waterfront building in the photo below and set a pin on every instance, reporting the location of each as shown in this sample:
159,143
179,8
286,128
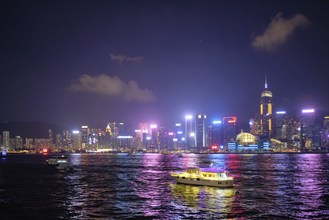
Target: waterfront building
41,143
201,131
254,125
154,137
124,142
6,139
171,140
325,133
189,132
266,120
84,136
18,143
162,138
281,126
229,129
76,146
51,136
144,129
117,129
67,139
121,128
29,143
106,138
180,143
95,135
308,131
59,142
247,142
216,134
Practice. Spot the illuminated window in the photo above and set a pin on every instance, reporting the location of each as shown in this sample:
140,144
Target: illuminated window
270,108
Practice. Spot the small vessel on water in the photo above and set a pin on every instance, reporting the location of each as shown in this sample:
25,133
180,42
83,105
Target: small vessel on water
58,162
204,177
207,163
3,152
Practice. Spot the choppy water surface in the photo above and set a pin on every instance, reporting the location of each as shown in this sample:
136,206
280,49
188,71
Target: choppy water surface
121,186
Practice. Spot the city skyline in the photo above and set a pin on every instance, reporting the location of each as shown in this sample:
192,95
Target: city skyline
89,63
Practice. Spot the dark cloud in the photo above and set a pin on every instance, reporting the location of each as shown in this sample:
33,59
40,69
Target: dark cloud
279,31
123,58
112,86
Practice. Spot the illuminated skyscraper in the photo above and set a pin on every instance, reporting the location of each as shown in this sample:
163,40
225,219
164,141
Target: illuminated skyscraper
325,134
310,130
84,136
266,122
51,138
180,143
154,136
281,126
201,130
76,135
230,129
189,132
215,136
6,139
18,143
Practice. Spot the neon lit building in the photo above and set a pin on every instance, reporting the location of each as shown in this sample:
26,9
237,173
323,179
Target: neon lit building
229,129
309,131
215,136
266,106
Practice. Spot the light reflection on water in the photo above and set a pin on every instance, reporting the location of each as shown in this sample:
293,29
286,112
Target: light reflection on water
120,186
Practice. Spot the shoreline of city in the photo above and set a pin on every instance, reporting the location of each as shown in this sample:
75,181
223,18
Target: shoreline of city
163,153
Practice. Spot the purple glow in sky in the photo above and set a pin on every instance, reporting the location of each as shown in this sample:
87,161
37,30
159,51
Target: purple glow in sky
86,62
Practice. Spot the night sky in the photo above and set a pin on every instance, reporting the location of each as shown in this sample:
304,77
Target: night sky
91,62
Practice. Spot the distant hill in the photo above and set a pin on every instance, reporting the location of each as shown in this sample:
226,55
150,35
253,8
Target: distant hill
29,129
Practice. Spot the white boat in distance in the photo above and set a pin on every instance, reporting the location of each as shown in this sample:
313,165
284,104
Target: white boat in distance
204,177
58,161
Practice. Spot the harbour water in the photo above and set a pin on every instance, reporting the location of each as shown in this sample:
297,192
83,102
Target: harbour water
139,186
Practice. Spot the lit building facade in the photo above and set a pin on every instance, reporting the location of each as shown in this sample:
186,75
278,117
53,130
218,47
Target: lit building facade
266,108
189,132
215,136
76,146
180,137
201,130
154,136
18,143
84,136
229,129
307,132
325,133
41,143
51,136
281,126
162,138
6,139
29,143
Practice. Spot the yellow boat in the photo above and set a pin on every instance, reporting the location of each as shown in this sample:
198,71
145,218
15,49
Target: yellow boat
204,177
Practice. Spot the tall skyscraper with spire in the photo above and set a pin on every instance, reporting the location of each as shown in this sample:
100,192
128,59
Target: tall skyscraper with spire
266,118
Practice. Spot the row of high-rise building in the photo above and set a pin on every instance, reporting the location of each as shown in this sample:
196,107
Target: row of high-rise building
305,130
